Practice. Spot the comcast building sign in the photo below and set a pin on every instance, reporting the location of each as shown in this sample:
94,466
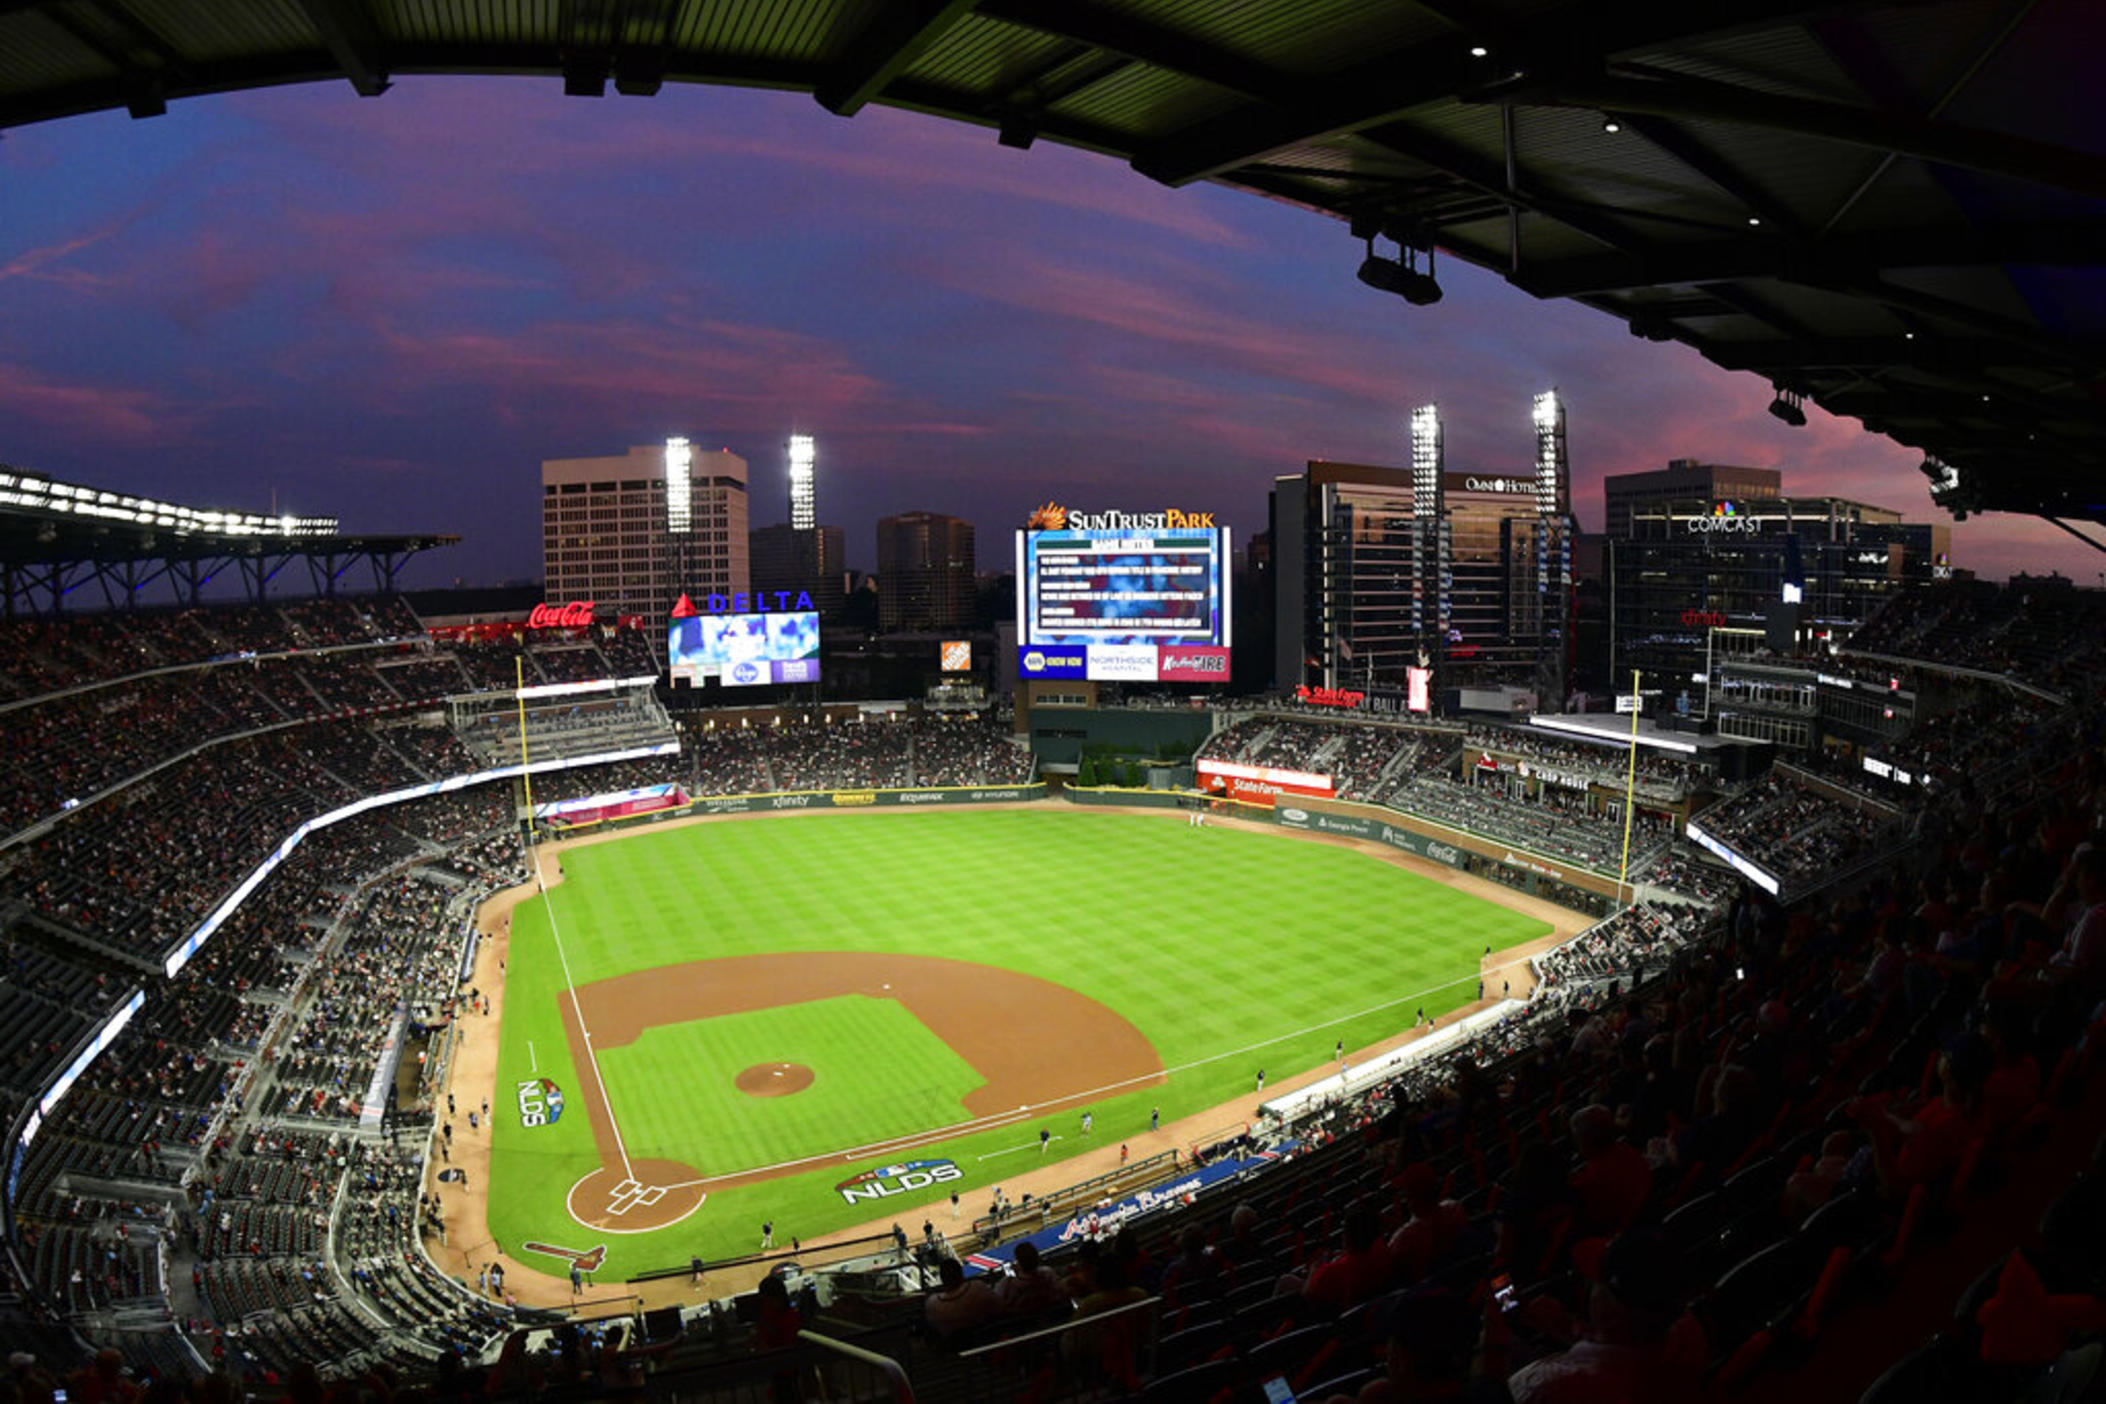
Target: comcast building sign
1725,519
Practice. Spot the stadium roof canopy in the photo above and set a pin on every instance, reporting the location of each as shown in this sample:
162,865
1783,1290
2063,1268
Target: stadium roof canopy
1896,210
58,538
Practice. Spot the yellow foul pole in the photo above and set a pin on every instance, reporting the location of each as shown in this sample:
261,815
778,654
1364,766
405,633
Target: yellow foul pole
519,696
1630,786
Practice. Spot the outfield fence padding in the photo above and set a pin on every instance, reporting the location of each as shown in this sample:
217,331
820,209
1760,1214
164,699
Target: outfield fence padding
790,800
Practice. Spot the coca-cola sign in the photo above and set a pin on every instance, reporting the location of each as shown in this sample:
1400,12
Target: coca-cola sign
575,615
1328,696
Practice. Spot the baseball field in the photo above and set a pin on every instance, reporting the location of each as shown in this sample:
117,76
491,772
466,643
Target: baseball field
822,1019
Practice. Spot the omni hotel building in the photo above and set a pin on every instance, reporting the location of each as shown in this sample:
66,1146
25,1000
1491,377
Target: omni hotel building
1709,564
1468,574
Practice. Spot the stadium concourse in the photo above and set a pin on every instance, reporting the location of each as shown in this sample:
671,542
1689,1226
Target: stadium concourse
1773,1146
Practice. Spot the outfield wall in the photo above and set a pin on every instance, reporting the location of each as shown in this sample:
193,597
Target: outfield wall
918,798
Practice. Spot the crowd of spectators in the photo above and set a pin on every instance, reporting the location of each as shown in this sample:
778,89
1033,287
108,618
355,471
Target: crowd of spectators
2042,633
1558,822
1365,760
1659,775
945,752
1635,943
1792,832
398,955
234,671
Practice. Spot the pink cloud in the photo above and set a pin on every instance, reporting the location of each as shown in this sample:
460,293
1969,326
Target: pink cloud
45,263
92,414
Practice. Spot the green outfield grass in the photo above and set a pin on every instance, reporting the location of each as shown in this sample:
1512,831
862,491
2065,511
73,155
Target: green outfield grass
1230,950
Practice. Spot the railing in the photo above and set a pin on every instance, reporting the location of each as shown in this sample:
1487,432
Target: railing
1104,1356
819,1366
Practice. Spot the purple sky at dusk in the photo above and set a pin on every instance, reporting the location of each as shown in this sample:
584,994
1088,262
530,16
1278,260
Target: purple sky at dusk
393,309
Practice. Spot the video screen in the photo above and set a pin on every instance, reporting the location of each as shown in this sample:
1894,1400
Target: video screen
1168,586
744,650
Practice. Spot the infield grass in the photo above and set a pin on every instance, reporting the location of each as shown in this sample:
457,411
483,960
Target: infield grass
1230,950
669,1085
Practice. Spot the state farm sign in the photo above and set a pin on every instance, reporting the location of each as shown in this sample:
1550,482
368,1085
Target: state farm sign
575,615
1260,784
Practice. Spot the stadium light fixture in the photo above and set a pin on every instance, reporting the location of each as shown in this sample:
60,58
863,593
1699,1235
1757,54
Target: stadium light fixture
679,490
803,508
1789,406
35,493
1401,277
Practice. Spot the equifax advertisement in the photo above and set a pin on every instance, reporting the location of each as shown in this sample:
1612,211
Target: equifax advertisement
1260,784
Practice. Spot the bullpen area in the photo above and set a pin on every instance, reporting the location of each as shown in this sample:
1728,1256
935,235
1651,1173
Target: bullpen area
821,1019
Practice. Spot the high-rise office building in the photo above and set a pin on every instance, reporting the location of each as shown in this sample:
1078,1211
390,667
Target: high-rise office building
1697,579
1383,569
925,572
636,532
1345,569
814,561
1684,480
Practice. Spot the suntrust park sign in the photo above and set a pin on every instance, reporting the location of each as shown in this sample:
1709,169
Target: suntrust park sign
1166,519
1054,517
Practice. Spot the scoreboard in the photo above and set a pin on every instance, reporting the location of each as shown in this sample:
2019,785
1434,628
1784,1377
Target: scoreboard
1126,605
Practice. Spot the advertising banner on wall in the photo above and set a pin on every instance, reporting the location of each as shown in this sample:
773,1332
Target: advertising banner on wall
1069,663
1184,663
1260,784
1122,662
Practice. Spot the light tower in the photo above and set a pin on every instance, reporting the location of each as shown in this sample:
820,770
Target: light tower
1553,550
804,511
679,513
1430,576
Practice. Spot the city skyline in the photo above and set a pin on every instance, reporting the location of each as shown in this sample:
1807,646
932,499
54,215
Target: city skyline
393,310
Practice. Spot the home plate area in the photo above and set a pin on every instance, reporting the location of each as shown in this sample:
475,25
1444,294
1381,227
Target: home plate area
651,1194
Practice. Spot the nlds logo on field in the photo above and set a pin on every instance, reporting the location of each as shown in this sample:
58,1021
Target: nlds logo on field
905,1177
540,1102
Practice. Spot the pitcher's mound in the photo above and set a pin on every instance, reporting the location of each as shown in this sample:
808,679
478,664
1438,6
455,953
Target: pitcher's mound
774,1079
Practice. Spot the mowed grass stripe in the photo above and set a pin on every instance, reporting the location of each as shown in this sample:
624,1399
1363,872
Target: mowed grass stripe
1230,950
